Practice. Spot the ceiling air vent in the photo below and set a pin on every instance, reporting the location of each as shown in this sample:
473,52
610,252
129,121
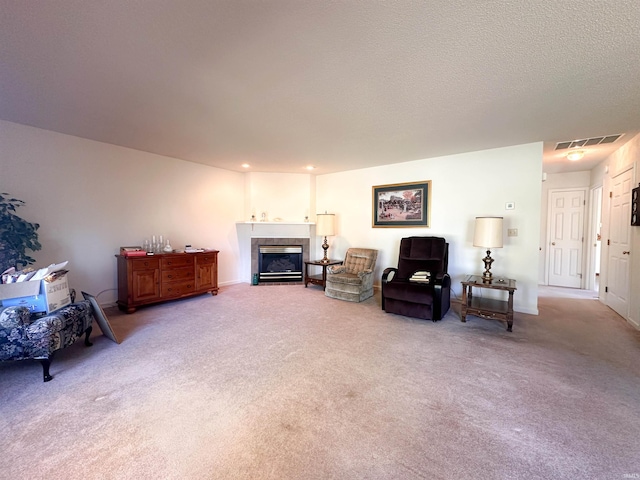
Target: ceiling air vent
611,138
587,142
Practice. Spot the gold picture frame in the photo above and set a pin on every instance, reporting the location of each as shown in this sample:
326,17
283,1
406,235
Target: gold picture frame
402,205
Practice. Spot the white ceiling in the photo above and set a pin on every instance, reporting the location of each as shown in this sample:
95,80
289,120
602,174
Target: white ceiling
339,84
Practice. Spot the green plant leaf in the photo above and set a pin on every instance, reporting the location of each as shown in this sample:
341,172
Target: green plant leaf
16,235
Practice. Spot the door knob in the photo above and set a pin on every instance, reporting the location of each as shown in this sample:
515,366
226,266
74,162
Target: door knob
553,243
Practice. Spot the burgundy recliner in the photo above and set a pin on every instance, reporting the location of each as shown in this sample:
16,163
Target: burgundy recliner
414,299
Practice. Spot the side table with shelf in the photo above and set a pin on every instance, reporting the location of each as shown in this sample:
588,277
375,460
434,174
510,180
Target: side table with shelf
318,279
488,307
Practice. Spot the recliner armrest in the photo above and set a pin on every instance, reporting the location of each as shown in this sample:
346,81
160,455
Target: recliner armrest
387,272
443,279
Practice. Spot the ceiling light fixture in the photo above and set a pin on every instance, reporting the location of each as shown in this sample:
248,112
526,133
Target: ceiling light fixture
310,167
575,155
245,165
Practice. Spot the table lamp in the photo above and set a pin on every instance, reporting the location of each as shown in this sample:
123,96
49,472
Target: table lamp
488,234
325,226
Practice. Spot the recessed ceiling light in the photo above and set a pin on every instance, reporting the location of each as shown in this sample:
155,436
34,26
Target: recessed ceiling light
575,155
245,165
310,167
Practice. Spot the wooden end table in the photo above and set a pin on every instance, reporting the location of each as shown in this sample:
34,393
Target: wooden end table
488,307
318,279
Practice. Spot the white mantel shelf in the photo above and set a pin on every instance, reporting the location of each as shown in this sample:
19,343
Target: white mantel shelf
276,229
278,223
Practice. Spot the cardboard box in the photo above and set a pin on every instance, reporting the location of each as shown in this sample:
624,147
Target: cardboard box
39,296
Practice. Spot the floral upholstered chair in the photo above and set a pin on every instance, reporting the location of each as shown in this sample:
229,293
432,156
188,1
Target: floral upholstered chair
22,337
353,280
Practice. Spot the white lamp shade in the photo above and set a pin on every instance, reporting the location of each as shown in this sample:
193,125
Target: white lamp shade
325,224
488,232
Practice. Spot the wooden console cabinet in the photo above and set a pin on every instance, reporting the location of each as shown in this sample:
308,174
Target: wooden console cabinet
168,276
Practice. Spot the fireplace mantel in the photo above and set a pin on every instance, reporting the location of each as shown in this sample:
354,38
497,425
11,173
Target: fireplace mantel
279,223
272,230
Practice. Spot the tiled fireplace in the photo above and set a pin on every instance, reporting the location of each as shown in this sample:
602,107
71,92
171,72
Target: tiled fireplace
252,235
256,243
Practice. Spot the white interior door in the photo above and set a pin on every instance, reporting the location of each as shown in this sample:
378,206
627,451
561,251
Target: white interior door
566,238
619,243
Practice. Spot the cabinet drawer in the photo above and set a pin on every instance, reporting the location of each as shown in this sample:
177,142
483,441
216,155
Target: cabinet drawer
177,261
177,289
206,259
144,264
178,274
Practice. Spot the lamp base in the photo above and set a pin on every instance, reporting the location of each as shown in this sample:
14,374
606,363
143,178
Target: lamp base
487,276
325,247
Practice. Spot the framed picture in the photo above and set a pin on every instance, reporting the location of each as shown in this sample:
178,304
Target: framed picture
402,205
101,318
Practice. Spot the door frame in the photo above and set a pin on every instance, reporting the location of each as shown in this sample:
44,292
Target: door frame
547,261
595,218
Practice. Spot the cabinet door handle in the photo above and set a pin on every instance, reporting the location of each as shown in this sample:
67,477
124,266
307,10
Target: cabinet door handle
553,243
626,253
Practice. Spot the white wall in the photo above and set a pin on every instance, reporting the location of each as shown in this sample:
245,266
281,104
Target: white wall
463,186
282,196
90,198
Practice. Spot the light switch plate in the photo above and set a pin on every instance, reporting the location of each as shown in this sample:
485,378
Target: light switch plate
512,232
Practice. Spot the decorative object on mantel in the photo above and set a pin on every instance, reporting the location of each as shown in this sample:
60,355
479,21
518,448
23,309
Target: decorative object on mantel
488,234
325,226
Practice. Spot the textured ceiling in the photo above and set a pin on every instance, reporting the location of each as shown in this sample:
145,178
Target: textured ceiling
336,84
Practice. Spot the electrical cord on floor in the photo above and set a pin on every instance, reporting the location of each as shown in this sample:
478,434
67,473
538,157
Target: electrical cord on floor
105,290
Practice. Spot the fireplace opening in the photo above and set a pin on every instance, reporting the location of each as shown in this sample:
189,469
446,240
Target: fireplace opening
280,263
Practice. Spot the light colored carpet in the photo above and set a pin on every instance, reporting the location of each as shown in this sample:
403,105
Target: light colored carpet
281,382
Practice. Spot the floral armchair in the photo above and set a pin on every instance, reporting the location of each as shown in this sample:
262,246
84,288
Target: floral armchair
22,337
353,280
